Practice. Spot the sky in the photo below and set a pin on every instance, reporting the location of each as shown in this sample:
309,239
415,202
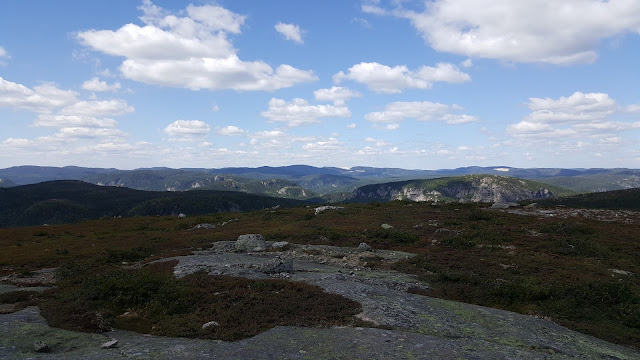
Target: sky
433,84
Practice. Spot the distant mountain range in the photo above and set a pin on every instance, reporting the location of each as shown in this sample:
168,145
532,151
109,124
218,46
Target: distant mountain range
307,182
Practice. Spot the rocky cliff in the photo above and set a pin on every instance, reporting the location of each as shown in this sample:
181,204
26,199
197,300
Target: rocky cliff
473,188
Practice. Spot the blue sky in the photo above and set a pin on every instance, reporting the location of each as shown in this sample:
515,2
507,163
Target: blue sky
386,83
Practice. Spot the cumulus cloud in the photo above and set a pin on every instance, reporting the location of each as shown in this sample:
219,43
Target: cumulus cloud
580,118
187,130
42,98
298,112
95,84
290,32
191,51
338,95
545,31
578,107
423,111
231,130
385,79
75,119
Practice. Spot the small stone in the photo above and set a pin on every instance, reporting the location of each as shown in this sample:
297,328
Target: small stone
386,226
364,247
181,215
210,324
532,205
41,347
111,344
204,226
325,208
504,205
621,272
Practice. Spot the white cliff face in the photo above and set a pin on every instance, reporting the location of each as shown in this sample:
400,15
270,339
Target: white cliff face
417,194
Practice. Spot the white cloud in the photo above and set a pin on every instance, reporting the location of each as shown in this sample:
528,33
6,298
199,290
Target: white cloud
352,126
576,122
377,142
3,55
187,130
189,52
373,9
423,111
466,63
290,32
94,84
89,133
75,119
329,145
268,134
338,95
546,31
231,130
394,126
48,120
98,108
362,22
384,79
575,108
299,112
42,98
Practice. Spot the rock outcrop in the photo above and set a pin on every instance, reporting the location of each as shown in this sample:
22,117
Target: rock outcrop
250,242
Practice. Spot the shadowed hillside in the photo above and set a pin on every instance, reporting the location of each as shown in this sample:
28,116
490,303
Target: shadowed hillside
58,202
620,199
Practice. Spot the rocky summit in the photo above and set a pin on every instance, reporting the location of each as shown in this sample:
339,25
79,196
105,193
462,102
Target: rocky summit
404,325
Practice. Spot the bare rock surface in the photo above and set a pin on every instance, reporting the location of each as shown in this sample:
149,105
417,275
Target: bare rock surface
412,326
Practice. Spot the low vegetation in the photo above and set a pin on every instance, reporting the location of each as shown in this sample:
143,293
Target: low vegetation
579,272
93,297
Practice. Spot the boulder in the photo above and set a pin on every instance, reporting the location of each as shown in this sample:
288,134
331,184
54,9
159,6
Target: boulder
41,347
386,226
111,344
280,245
251,242
278,265
325,208
364,247
181,215
210,324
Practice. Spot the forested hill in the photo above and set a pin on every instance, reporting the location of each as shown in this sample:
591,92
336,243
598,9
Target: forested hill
66,201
